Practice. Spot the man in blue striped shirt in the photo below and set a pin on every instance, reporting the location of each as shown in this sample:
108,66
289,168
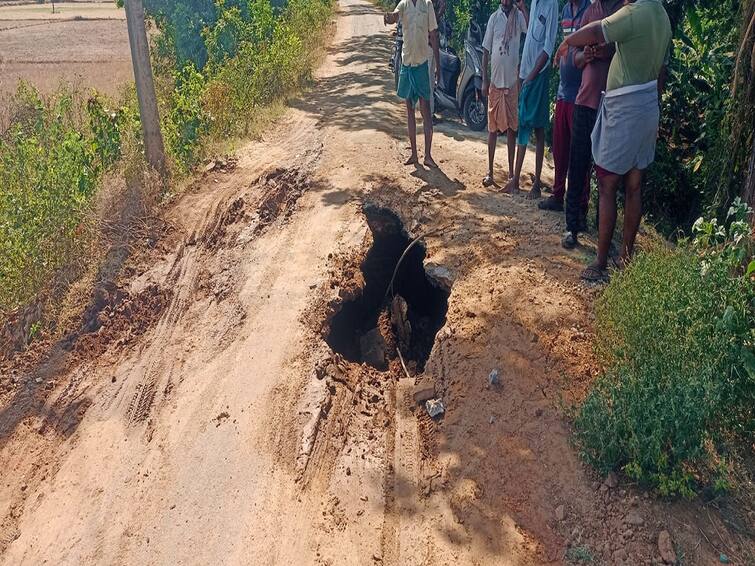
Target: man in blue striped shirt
533,98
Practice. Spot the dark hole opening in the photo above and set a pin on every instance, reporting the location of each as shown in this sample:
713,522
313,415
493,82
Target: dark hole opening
355,328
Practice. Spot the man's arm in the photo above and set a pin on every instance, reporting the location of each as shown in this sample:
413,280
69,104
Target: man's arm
662,76
604,51
590,34
390,17
523,7
580,58
540,63
436,53
485,71
441,4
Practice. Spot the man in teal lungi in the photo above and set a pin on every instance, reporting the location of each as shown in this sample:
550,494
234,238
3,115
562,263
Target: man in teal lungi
533,97
414,81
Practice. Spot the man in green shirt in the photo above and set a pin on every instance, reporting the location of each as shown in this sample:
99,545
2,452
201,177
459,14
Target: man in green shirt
623,139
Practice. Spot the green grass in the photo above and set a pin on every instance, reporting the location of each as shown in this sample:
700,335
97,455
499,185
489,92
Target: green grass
675,334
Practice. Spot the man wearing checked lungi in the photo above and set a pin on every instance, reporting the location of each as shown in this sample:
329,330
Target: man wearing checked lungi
534,103
414,83
625,132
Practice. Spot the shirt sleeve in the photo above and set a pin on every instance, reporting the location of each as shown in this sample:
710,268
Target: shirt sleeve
431,21
587,17
551,30
522,22
618,26
400,7
487,41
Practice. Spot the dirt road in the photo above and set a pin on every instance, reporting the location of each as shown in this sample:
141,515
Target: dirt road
205,420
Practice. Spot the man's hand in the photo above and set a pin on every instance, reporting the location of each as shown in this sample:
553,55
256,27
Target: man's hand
589,53
486,88
437,73
561,52
602,51
390,18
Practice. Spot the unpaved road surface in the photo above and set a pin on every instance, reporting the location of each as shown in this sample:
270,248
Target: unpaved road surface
204,419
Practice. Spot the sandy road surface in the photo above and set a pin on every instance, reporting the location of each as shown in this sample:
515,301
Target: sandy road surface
208,423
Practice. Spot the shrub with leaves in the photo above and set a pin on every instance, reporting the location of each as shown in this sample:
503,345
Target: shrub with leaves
51,160
676,336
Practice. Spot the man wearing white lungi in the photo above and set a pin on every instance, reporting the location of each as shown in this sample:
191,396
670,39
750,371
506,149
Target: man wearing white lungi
623,139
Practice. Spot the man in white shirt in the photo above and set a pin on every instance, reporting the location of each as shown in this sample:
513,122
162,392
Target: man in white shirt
534,111
500,47
418,23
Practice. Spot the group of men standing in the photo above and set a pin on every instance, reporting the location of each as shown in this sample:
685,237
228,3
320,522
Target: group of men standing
611,67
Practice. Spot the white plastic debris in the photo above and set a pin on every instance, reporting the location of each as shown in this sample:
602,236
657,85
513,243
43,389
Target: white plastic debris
493,377
434,407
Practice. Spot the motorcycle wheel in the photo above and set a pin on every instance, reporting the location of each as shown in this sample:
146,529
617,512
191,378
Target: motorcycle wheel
475,111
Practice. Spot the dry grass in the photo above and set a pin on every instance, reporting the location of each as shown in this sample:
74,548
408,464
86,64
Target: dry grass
84,44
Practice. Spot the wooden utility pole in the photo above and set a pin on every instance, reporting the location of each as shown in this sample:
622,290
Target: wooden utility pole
145,87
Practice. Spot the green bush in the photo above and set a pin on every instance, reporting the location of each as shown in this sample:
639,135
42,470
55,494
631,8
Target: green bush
252,53
215,63
51,159
676,336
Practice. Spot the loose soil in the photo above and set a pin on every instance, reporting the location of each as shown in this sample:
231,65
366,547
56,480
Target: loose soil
200,416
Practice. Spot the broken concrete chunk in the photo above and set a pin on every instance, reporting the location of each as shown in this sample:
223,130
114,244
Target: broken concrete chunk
372,346
434,407
424,390
440,275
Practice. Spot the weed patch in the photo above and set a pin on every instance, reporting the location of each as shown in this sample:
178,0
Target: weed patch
216,64
676,335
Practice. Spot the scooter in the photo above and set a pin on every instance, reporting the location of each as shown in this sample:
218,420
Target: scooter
395,63
460,86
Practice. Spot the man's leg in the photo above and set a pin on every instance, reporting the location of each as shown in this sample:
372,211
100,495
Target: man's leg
427,124
607,186
580,159
632,211
492,141
512,187
511,143
562,122
411,122
539,153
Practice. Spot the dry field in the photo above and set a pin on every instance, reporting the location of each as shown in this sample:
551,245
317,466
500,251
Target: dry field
82,43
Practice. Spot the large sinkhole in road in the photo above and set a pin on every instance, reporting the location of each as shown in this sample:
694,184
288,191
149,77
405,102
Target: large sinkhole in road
370,327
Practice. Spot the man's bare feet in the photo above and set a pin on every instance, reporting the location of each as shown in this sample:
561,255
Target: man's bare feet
535,191
511,188
488,181
429,162
413,160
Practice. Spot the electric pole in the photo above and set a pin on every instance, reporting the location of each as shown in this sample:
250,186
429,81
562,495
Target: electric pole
145,87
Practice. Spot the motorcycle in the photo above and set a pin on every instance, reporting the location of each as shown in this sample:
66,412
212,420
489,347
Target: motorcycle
460,85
